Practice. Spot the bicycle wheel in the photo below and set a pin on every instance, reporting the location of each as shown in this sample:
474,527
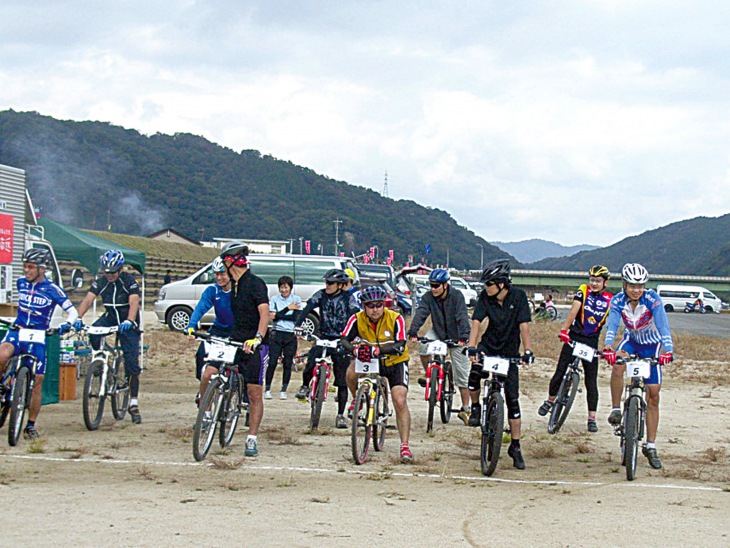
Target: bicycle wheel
563,401
18,405
119,392
447,393
230,412
362,430
492,428
93,401
432,397
318,398
552,313
4,410
380,424
631,434
205,423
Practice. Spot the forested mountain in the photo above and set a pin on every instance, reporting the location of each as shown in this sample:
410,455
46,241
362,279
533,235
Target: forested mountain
99,176
535,249
699,246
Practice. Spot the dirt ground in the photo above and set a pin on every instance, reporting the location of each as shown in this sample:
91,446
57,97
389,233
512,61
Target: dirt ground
139,485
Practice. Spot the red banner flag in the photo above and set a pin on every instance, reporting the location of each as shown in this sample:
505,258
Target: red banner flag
6,239
307,246
372,252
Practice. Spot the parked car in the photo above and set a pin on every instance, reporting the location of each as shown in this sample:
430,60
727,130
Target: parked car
675,297
386,274
470,295
177,300
391,301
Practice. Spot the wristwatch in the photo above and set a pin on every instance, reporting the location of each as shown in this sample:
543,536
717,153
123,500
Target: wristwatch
259,336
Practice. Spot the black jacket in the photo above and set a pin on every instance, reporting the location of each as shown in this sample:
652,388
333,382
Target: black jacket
449,316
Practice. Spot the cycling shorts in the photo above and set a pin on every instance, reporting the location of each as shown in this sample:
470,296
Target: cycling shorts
397,374
34,349
644,351
253,366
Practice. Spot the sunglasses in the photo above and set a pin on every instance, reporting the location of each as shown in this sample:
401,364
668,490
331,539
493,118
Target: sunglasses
490,284
374,305
329,283
435,285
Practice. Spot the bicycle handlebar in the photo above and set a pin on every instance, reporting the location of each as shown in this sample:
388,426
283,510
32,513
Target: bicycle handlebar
14,327
451,343
202,335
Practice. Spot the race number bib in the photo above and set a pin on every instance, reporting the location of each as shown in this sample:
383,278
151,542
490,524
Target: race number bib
220,353
584,352
32,336
326,343
437,348
638,368
498,366
370,366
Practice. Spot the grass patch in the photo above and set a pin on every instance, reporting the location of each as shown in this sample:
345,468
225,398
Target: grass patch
225,464
37,446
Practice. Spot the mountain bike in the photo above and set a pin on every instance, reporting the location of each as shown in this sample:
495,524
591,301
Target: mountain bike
632,426
16,385
104,379
319,385
569,386
492,422
370,417
439,380
223,401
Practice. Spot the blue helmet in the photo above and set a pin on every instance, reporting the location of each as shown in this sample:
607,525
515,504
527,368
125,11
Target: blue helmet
439,275
112,261
372,293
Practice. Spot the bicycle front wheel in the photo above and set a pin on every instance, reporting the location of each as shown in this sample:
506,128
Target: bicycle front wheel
18,405
119,393
432,397
492,429
318,400
447,393
230,412
381,416
362,428
631,435
563,401
207,419
93,401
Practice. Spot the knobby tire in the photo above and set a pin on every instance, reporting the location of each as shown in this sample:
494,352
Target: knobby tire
205,427
563,401
432,397
492,429
361,430
119,393
631,433
318,399
447,393
18,405
381,416
230,412
93,402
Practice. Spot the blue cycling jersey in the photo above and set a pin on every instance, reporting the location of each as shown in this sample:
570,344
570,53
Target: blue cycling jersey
214,297
36,302
646,324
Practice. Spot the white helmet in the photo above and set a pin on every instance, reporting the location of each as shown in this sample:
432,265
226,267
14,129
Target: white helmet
218,265
634,273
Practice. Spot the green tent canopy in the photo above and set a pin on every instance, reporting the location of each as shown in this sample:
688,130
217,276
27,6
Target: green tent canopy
73,244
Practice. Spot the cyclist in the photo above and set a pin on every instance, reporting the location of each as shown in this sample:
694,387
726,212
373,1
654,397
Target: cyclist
250,307
217,296
335,308
647,333
284,310
509,317
449,320
120,294
352,290
583,324
37,298
385,328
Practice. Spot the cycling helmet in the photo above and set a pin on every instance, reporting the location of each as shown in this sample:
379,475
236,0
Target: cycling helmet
497,272
237,252
599,271
350,273
372,294
218,265
336,275
439,275
37,256
634,273
112,261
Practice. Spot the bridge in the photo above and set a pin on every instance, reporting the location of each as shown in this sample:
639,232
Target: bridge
568,280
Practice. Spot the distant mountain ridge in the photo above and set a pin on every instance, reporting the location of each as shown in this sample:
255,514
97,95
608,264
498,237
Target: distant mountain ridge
535,249
699,246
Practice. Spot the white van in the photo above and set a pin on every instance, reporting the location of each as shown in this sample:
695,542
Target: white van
177,300
675,297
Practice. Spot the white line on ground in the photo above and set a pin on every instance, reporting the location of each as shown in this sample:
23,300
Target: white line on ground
370,473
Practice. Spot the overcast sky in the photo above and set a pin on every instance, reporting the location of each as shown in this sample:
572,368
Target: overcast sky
577,122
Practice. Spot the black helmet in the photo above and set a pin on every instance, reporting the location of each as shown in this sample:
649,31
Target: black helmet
37,256
496,272
237,251
336,275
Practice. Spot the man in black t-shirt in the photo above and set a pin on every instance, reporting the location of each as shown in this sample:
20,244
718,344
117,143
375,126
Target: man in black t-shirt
119,292
250,307
509,317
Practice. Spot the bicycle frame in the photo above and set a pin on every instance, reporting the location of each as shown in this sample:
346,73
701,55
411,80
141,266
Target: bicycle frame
436,362
324,359
106,352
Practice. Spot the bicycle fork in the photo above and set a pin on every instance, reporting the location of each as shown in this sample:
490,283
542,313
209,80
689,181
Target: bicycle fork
439,390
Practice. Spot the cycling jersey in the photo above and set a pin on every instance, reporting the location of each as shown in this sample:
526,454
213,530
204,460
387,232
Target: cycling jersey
115,296
390,329
214,297
334,311
593,312
36,302
646,324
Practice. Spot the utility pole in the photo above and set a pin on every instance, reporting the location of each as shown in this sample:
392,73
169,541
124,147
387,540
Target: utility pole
481,259
291,246
337,222
301,249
